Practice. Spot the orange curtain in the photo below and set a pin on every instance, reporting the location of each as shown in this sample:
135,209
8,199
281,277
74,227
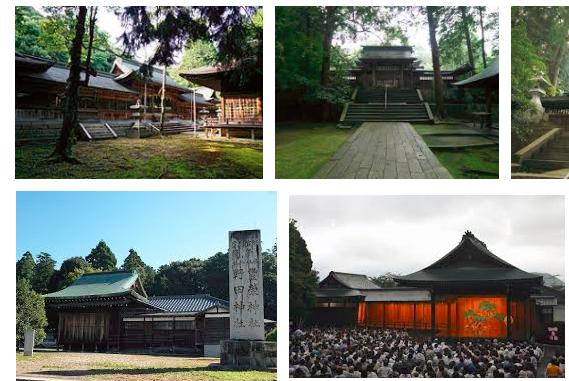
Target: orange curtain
361,313
481,316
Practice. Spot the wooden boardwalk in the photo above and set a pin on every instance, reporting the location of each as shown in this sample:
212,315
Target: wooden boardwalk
384,150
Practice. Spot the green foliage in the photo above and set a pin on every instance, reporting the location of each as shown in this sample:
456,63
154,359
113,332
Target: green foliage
133,262
25,267
196,54
270,284
271,335
303,148
30,312
210,276
540,46
386,280
102,258
43,271
50,36
302,278
27,31
70,270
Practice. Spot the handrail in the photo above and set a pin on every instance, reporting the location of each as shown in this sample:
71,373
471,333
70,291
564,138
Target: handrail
420,95
87,134
385,106
344,111
111,130
528,151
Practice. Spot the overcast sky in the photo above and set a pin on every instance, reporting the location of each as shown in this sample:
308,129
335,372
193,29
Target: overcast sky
417,31
373,235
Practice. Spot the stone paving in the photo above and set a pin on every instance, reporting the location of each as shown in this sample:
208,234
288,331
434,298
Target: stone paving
384,150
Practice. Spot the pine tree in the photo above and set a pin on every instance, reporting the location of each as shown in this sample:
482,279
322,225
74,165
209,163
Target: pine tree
25,267
43,271
102,258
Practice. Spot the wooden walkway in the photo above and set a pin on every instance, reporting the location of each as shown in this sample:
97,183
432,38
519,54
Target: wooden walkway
384,150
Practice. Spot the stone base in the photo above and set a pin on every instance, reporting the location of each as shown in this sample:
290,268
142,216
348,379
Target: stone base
248,354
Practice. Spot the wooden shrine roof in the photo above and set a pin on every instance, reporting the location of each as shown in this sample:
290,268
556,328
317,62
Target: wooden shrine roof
187,303
486,78
31,67
104,284
469,262
126,68
351,281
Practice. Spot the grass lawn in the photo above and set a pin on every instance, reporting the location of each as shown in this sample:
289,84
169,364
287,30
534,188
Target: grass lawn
301,148
465,163
176,156
123,367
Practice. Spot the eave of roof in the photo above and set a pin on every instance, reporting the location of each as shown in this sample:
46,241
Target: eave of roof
480,265
486,76
102,285
130,69
59,73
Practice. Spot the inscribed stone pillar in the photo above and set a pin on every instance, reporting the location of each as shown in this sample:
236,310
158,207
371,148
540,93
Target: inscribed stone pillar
246,286
29,337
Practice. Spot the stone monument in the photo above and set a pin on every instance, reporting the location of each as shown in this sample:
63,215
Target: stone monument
246,347
29,338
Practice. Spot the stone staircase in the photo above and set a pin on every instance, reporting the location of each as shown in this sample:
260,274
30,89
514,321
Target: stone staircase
175,127
96,131
554,156
386,105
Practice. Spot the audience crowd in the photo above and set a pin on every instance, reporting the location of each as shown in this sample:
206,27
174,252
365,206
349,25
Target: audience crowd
376,353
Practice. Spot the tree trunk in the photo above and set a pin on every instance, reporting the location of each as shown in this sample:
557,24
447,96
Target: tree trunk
467,37
326,60
555,64
92,21
481,12
439,98
162,97
65,142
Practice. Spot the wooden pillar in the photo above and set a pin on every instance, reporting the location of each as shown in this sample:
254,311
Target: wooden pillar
173,332
373,75
433,319
383,314
508,313
59,324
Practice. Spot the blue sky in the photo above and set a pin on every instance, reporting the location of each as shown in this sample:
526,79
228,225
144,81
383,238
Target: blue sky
161,226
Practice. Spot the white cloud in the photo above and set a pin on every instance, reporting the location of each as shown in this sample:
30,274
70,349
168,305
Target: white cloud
375,234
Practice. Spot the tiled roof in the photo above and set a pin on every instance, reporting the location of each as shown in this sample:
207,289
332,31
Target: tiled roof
469,261
99,284
187,303
60,72
354,281
491,72
130,66
188,97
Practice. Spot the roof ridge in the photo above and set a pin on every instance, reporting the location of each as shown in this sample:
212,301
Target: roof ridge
110,272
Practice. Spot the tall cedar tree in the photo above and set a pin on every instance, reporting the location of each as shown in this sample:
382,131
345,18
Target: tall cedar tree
133,262
302,279
482,42
43,271
102,258
465,21
25,267
432,19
